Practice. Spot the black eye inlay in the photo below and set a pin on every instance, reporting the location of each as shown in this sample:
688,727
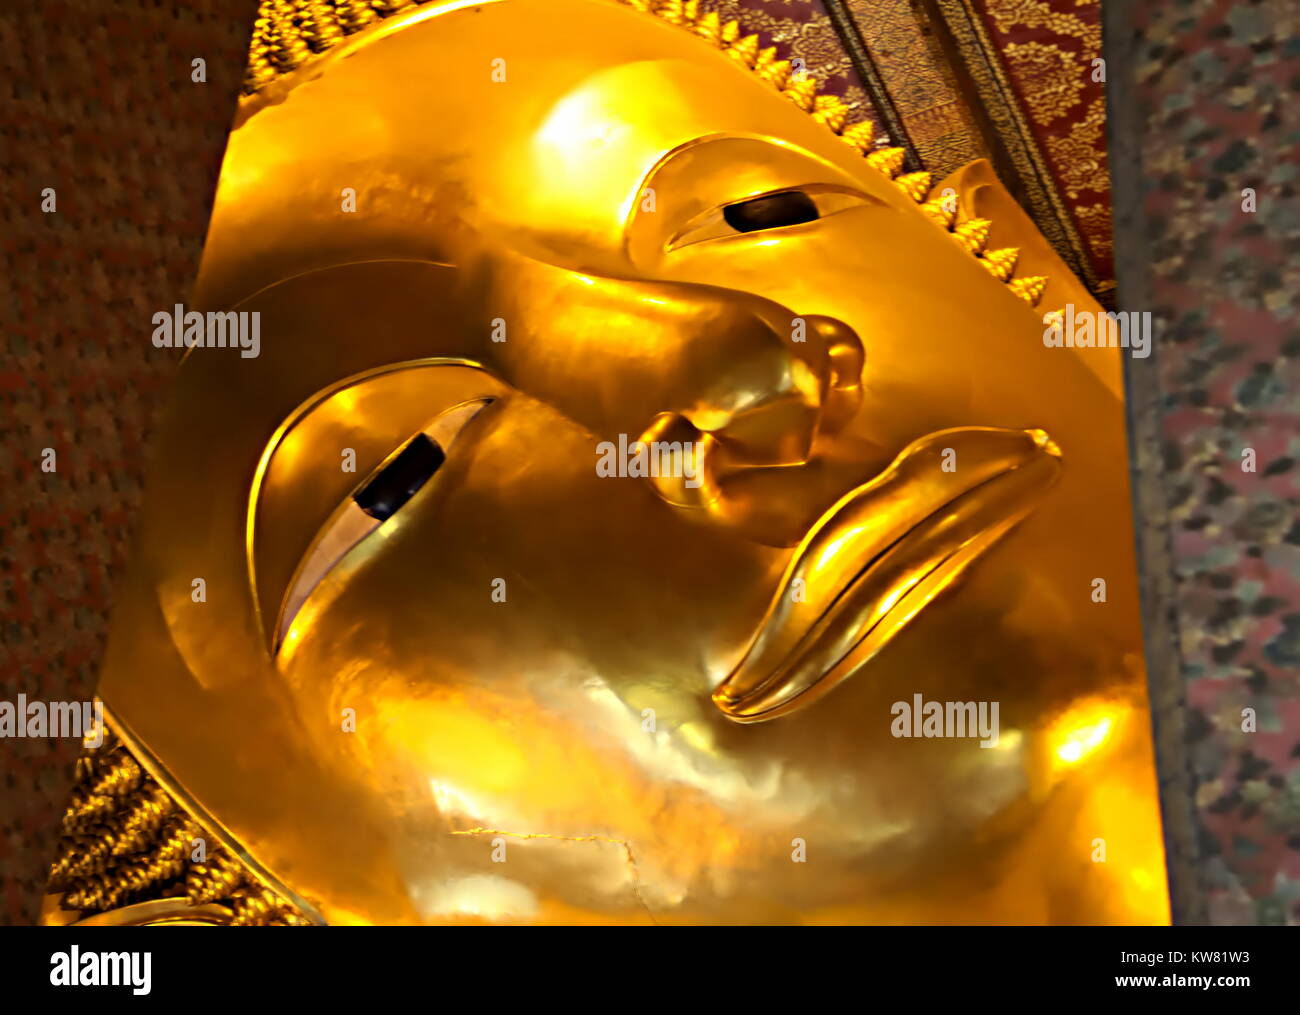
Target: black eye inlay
788,208
397,482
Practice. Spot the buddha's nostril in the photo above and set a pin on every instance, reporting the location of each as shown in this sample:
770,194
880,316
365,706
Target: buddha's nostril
777,431
833,333
675,441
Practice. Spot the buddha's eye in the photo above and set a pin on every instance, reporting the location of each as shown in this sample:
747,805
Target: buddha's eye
376,500
400,477
788,208
777,210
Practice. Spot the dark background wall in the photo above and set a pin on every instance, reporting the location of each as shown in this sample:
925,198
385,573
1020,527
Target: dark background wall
97,102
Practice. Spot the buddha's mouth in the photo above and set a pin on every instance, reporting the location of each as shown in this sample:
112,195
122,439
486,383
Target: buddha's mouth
879,555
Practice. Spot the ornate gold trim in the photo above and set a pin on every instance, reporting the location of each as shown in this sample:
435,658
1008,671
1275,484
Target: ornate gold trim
997,96
289,33
126,855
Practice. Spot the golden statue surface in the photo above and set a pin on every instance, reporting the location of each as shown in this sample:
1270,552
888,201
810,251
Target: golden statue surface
420,630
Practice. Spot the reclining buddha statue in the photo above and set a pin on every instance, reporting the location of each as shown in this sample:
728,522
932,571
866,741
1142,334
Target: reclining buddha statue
650,501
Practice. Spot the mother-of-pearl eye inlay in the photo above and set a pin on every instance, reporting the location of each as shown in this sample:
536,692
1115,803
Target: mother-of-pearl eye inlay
382,494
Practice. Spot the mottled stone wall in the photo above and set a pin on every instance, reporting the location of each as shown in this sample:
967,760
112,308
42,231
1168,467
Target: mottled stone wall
1205,126
97,102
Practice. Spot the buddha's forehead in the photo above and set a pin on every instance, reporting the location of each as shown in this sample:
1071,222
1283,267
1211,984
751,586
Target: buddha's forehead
582,164
531,118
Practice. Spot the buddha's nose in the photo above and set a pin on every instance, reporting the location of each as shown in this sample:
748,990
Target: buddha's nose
765,433
823,389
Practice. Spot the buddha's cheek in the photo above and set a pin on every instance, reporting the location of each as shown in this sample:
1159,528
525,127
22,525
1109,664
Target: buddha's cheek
945,345
523,573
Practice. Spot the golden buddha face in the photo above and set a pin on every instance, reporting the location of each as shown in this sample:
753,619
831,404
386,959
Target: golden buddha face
448,668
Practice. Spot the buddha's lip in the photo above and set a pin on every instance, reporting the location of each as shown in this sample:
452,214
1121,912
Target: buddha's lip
879,555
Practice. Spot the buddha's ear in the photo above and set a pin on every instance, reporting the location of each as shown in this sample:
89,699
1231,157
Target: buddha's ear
980,194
